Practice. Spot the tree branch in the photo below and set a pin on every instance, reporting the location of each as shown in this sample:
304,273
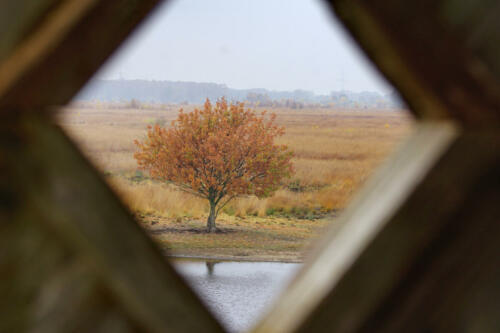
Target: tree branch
224,204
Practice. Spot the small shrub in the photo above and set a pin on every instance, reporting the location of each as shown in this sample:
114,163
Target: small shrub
271,211
296,186
229,210
134,104
138,176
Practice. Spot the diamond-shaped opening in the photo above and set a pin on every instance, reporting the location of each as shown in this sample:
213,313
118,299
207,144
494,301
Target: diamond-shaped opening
341,121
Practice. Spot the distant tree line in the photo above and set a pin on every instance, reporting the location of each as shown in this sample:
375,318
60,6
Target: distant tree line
169,92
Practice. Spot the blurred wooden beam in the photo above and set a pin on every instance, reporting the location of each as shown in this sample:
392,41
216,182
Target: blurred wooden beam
58,45
418,251
17,18
419,248
443,56
73,259
63,215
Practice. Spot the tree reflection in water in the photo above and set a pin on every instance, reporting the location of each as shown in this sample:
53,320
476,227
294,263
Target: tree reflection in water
210,267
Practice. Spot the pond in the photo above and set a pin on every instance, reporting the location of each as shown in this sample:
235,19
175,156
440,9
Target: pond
237,293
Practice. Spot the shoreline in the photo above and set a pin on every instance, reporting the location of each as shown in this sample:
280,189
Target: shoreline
250,239
234,258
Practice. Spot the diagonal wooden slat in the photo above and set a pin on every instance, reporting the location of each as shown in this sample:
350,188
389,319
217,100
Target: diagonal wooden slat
416,246
59,46
424,49
17,18
48,185
419,249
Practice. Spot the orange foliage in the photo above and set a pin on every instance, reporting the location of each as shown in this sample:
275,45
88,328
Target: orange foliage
218,153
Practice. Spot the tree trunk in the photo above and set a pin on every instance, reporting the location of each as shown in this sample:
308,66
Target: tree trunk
211,218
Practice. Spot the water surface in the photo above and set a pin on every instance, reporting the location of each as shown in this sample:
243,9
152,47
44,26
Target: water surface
237,293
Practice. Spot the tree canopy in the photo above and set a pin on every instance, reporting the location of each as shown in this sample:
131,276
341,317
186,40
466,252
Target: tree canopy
218,152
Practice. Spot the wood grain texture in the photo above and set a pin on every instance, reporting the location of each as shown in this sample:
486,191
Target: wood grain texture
426,265
70,217
419,251
423,51
69,42
17,20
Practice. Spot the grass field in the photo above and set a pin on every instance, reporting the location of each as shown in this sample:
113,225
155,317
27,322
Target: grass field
335,152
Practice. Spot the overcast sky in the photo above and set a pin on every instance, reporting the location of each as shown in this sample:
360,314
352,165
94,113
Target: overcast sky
272,44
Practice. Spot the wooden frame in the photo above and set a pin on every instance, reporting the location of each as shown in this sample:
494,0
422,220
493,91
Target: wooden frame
420,244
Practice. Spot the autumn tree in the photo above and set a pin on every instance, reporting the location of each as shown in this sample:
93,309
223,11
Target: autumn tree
218,153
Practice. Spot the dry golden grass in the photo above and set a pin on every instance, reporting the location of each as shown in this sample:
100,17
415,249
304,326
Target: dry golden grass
255,238
335,151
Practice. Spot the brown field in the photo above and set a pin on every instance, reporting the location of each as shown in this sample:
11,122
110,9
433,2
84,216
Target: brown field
335,151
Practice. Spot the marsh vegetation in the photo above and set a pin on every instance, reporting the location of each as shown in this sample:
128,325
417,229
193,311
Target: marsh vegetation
335,151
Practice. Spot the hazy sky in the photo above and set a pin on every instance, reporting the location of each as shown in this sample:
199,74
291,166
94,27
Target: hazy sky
273,44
